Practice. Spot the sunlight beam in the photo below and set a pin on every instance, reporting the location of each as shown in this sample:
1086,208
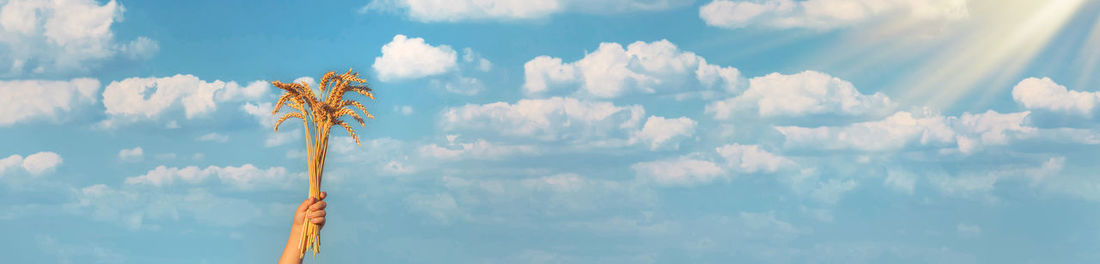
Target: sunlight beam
993,53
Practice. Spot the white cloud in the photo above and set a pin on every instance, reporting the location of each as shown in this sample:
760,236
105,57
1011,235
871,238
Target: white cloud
26,100
800,94
830,191
10,163
968,230
1045,94
612,71
660,132
461,85
411,58
510,10
826,14
440,206
809,183
397,167
34,164
166,156
403,109
902,129
990,128
482,64
245,177
213,137
262,113
41,162
900,180
235,92
891,133
510,200
551,119
681,171
279,138
66,35
751,158
479,149
143,209
766,223
131,155
980,182
141,48
148,98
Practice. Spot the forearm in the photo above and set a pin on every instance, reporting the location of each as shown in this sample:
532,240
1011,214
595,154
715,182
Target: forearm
290,252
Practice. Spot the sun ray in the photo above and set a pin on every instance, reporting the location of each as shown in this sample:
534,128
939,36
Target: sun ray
994,53
1090,52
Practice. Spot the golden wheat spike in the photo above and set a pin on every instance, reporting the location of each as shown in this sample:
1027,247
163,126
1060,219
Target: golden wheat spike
282,100
355,78
307,94
349,112
297,105
347,104
289,87
350,131
288,116
363,90
325,81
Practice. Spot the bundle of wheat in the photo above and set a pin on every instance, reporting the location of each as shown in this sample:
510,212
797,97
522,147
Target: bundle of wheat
318,114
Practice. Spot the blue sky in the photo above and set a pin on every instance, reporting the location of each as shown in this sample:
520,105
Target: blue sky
558,131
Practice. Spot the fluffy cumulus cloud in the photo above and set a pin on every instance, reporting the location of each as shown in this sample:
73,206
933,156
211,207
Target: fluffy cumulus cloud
244,177
34,164
659,131
261,111
826,14
410,58
805,93
479,149
612,71
144,210
751,158
966,132
508,10
511,201
683,171
1044,174
1045,94
552,119
213,137
68,35
131,155
34,99
148,98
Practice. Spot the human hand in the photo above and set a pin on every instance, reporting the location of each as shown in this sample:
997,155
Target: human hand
313,209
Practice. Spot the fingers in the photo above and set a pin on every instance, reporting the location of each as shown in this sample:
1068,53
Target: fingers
318,206
317,217
309,202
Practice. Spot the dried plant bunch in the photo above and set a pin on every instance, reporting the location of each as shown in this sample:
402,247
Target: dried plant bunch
320,112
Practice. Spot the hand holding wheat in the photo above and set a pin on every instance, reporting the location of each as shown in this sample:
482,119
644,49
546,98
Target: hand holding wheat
312,210
318,115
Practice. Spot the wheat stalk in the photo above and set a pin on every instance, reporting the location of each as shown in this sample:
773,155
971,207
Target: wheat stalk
318,115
